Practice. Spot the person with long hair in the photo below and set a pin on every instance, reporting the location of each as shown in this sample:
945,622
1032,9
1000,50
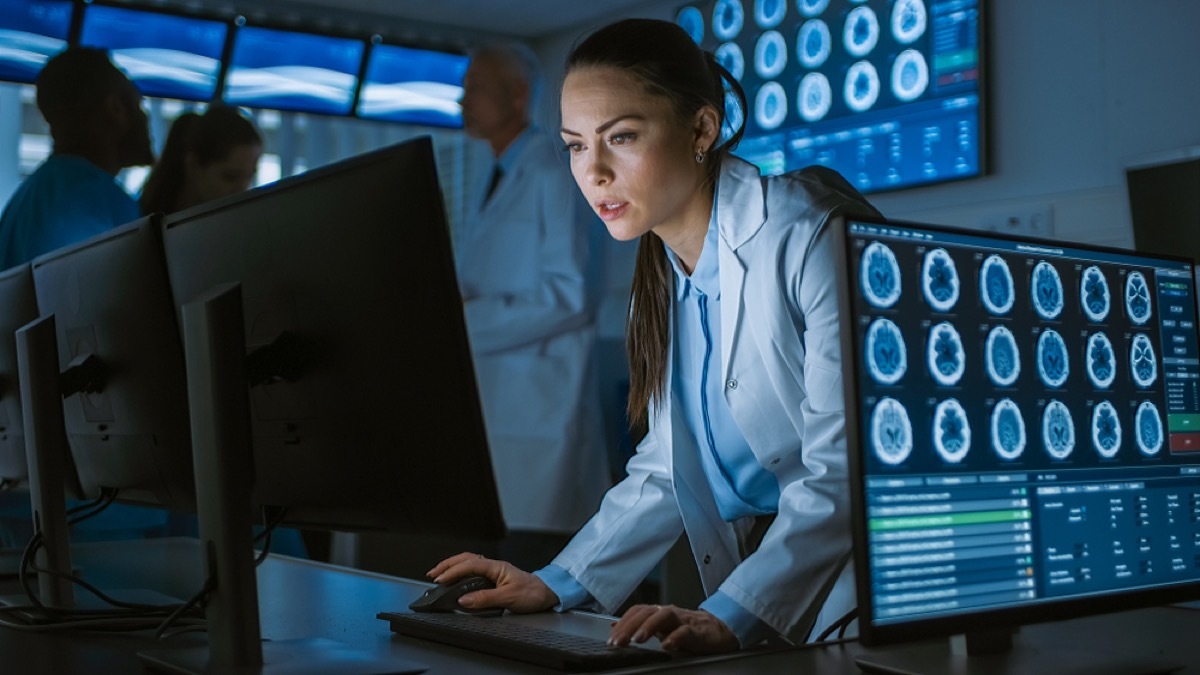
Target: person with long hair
206,156
734,355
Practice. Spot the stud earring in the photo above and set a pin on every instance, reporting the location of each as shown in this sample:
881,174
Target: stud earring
699,156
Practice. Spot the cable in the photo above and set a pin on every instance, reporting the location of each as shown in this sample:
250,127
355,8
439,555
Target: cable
197,599
840,624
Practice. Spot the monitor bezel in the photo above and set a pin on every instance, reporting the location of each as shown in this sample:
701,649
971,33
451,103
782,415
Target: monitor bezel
990,619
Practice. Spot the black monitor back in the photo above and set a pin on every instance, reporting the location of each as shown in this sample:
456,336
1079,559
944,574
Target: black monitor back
18,306
365,412
110,298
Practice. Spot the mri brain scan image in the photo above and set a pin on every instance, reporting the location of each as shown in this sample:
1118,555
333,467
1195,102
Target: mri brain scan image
1142,361
939,280
813,43
862,86
996,285
945,354
887,358
1002,357
1094,295
1046,290
770,55
1106,430
1137,298
1052,363
727,19
734,116
769,13
770,105
891,432
811,8
909,19
910,75
1149,427
1101,361
730,56
691,20
814,97
861,32
879,275
951,431
1008,430
1058,430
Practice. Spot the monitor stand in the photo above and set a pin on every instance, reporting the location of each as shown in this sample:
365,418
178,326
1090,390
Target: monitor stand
996,653
222,454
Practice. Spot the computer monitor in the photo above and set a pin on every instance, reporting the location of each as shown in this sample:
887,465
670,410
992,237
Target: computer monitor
18,306
1023,423
301,72
32,31
413,86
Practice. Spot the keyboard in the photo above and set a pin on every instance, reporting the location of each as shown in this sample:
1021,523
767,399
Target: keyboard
520,642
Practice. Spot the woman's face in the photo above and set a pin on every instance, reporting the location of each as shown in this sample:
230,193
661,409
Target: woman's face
229,175
631,154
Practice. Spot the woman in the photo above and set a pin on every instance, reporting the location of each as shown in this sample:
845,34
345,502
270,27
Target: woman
205,157
734,360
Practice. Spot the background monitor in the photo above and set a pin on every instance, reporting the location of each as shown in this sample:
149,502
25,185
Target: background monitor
31,31
414,86
168,55
18,306
365,412
301,72
1024,428
888,93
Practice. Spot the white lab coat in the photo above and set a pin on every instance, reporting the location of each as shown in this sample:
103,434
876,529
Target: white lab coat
782,369
522,265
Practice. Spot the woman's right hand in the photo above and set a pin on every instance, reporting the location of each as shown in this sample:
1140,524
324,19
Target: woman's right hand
516,590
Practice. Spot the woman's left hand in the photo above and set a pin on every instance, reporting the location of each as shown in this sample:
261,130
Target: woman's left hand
677,629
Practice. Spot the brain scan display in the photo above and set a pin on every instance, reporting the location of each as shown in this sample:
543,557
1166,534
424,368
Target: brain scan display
909,19
734,116
1003,359
1008,430
945,355
996,285
910,75
1052,363
939,280
1058,430
1046,290
770,55
1142,361
861,33
811,8
769,13
1106,430
951,431
1101,361
692,21
862,86
1094,295
770,105
730,56
814,96
887,358
1149,427
879,275
891,432
813,43
727,19
1137,298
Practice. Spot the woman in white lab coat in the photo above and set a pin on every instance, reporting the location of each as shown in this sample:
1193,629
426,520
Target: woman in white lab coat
765,506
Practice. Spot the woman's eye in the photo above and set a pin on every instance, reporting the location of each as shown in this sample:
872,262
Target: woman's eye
619,139
572,147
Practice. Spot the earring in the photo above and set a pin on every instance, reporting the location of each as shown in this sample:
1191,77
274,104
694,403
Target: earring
699,156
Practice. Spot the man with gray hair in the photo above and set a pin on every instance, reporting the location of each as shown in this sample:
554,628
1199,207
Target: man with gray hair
528,284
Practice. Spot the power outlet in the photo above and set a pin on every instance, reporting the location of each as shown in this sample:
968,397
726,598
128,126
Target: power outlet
1032,222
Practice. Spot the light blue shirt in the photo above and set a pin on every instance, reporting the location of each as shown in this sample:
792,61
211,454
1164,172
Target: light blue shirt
741,486
66,200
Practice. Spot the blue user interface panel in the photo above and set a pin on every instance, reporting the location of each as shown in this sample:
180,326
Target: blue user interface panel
886,92
166,55
31,31
1028,421
293,71
415,86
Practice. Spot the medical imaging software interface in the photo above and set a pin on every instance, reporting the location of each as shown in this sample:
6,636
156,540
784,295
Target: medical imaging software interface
1029,420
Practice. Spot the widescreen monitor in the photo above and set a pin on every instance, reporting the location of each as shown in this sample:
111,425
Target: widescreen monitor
887,92
413,86
1023,419
167,55
18,306
31,31
286,70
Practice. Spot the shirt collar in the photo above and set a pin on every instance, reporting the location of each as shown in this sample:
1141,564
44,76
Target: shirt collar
508,158
706,276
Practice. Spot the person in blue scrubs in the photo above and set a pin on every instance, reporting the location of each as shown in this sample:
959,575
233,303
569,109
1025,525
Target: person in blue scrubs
527,275
734,356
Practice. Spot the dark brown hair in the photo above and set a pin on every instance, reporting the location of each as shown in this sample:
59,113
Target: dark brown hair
663,57
72,87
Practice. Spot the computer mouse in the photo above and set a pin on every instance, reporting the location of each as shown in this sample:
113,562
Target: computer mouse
444,598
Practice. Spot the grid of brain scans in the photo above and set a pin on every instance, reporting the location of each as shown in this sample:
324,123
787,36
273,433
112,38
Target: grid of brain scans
1016,403
885,91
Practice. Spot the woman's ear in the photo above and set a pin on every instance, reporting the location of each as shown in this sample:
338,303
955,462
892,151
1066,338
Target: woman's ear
707,128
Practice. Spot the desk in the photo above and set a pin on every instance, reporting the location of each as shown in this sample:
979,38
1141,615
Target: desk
304,599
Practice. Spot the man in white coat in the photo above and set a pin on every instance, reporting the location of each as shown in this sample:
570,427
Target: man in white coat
529,290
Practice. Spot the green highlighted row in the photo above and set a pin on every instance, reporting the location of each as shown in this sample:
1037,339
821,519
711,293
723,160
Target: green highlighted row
947,520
